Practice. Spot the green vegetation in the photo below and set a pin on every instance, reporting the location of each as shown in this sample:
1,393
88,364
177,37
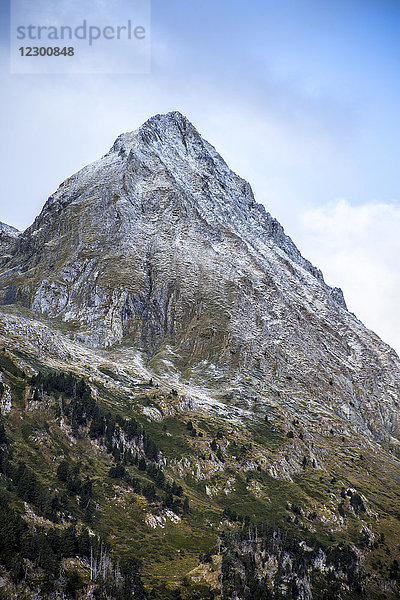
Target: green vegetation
245,555
151,500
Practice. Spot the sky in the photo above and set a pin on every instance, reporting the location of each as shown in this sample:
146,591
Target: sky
301,98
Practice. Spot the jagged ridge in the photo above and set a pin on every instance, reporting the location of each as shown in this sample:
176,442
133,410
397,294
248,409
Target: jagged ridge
267,401
160,241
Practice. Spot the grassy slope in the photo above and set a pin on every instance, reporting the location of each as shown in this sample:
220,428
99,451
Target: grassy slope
308,503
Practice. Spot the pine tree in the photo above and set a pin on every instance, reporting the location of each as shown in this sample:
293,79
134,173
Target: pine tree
63,471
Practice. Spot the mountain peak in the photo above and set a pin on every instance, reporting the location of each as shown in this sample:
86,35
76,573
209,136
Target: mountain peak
8,230
174,123
162,186
170,338
167,130
174,117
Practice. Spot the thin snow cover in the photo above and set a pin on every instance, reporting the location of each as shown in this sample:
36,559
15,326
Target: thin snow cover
168,266
9,230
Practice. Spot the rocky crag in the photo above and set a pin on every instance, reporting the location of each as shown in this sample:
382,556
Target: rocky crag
155,264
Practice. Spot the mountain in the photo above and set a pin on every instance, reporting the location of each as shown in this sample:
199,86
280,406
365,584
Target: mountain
163,334
8,240
8,231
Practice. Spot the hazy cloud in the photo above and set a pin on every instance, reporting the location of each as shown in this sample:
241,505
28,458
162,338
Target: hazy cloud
358,248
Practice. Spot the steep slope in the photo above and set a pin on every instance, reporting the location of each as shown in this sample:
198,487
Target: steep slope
162,334
8,242
160,241
8,230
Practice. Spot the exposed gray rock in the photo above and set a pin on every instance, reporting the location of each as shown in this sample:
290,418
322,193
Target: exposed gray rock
160,241
8,241
8,230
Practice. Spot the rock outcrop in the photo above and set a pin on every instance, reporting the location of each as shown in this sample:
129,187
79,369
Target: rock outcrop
160,243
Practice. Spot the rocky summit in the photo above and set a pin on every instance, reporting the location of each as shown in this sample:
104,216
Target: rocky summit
188,409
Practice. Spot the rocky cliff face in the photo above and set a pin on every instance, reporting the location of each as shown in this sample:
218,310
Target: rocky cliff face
153,287
8,242
161,210
160,242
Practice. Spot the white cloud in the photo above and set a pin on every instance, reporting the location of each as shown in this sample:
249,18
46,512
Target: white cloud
358,248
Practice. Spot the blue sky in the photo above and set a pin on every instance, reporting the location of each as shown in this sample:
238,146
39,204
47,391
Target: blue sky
300,97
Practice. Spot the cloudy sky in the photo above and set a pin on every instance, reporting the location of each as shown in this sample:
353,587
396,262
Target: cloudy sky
300,97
